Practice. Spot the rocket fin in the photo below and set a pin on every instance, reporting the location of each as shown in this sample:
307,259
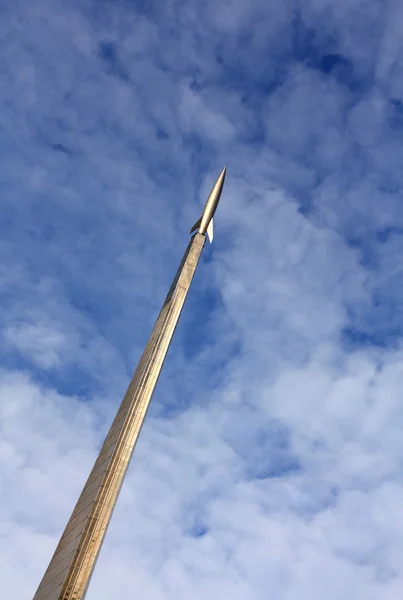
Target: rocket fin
196,225
210,233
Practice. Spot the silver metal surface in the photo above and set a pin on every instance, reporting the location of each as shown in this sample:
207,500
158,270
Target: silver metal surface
205,223
69,572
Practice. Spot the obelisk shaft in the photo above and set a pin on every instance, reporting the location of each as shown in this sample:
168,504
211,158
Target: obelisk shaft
70,569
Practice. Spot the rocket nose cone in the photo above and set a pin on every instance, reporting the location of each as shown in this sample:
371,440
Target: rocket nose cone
211,204
222,175
219,184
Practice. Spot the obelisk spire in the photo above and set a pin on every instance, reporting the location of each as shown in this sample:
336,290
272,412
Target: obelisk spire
70,569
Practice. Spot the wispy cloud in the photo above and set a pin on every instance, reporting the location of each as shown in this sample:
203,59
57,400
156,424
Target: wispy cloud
269,465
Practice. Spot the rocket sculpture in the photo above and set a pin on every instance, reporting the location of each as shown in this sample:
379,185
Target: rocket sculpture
69,572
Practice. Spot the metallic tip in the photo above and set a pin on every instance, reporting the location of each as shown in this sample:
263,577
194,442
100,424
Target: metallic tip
216,191
222,175
211,205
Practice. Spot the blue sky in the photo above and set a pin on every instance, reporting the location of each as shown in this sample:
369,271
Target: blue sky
270,462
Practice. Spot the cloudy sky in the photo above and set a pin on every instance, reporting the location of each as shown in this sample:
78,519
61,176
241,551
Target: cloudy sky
270,464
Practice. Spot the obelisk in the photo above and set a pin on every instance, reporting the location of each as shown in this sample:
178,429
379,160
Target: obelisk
69,572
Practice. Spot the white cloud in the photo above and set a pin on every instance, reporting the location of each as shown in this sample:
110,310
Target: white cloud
281,478
38,341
